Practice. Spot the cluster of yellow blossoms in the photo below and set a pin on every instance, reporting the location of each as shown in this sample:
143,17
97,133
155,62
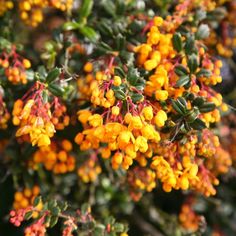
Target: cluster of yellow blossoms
5,6
4,114
25,198
89,170
34,121
55,157
31,11
133,132
15,66
188,218
140,179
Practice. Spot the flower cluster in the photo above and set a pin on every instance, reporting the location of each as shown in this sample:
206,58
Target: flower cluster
25,198
188,218
89,170
31,12
5,6
55,157
4,114
15,66
34,118
140,179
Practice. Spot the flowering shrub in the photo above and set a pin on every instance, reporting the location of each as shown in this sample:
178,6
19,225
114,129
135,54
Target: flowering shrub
114,108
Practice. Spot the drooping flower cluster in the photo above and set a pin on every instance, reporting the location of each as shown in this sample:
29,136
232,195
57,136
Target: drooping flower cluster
55,157
25,198
188,218
4,114
31,12
15,66
34,118
89,170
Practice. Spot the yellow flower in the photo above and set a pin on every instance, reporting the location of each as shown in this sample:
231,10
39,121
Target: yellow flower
160,118
115,110
147,112
83,116
135,123
141,144
95,120
150,64
161,95
117,80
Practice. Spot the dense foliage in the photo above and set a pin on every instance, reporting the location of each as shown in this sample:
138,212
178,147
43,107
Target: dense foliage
112,118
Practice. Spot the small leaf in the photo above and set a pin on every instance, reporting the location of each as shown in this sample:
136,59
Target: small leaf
89,32
120,95
53,221
37,200
192,63
198,101
183,80
177,42
118,227
207,107
192,116
136,97
28,215
198,124
181,70
56,90
203,31
133,76
203,73
55,211
189,46
86,8
52,75
70,26
178,108
120,72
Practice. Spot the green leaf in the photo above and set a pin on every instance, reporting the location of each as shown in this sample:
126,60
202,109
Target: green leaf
178,107
89,32
133,76
192,63
198,101
177,42
53,221
55,211
136,97
120,95
70,26
28,215
120,42
118,227
56,90
120,72
207,107
189,46
181,70
85,208
37,200
203,73
86,8
198,124
192,116
45,96
183,80
203,31
52,75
